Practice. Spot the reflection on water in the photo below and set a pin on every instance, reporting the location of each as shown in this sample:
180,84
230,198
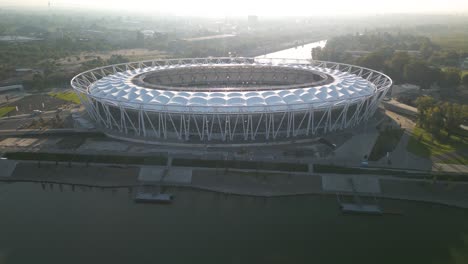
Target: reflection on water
88,225
299,52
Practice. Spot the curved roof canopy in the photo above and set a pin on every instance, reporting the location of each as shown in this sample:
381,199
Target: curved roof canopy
120,88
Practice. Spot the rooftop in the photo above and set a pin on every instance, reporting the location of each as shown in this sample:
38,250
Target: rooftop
309,91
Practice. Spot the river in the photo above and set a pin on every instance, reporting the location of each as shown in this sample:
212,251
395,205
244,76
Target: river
105,226
65,225
299,52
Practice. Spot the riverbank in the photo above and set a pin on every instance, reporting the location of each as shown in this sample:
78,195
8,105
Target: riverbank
243,182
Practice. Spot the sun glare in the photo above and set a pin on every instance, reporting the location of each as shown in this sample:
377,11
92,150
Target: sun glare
259,7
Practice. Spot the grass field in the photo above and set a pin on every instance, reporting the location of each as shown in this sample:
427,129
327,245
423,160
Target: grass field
458,160
5,110
422,144
463,72
67,96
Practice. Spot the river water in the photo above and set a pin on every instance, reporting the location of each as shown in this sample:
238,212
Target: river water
299,52
105,226
65,225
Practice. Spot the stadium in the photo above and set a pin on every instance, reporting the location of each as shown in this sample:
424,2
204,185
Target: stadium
228,100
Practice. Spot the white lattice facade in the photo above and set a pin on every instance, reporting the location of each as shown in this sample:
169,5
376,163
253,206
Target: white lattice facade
228,100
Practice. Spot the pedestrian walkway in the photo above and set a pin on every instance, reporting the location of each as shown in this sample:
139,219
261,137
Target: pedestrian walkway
401,158
341,183
156,174
7,167
352,152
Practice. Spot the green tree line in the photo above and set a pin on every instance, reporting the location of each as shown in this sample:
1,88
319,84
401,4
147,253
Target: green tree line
426,65
438,117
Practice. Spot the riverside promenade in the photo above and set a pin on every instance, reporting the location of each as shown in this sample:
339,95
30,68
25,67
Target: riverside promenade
237,182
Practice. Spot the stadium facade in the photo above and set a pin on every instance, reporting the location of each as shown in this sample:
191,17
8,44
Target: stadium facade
228,100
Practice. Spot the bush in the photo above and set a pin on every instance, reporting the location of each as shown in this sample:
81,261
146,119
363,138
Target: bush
465,80
5,110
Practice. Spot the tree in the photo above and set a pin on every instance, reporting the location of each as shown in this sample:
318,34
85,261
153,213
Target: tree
396,66
453,117
418,72
465,80
451,78
38,81
435,122
140,39
48,67
426,49
116,59
97,62
424,104
316,53
372,60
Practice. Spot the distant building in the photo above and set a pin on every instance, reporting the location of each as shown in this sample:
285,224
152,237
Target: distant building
9,88
18,39
24,71
411,53
147,33
211,37
404,89
24,74
357,53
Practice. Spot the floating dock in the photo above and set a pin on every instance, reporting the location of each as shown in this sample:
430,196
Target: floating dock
361,209
142,197
358,207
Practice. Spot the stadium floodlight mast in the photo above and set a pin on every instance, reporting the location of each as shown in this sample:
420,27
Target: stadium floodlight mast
230,101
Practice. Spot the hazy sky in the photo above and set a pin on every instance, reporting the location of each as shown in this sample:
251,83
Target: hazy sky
259,7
